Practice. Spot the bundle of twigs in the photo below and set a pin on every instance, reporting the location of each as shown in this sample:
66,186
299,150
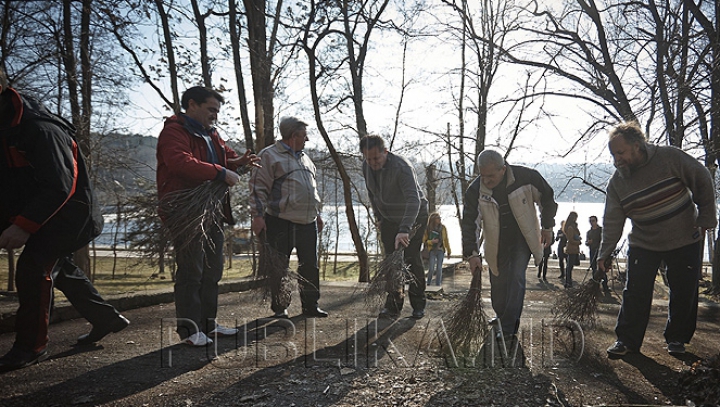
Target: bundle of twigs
189,213
467,324
579,303
273,274
391,275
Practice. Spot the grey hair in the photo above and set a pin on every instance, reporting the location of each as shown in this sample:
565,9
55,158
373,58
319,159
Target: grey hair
490,157
289,125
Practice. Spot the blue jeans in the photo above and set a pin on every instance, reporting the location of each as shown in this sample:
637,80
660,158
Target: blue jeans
683,273
507,290
199,269
435,262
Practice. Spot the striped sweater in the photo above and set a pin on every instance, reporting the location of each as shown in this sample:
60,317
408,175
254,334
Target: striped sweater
668,199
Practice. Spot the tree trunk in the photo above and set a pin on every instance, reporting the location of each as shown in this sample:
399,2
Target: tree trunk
169,51
234,29
202,35
431,183
260,72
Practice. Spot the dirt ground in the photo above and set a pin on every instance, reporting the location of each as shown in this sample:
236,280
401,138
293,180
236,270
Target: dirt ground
353,359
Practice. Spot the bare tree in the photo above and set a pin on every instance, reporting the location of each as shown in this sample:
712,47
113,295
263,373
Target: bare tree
317,28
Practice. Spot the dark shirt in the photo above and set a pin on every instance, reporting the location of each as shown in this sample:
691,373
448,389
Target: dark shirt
509,229
594,235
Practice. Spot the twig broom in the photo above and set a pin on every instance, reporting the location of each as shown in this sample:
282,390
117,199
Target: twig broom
580,304
467,324
273,274
189,213
391,275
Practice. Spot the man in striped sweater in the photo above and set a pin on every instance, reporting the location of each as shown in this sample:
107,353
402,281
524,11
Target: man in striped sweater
669,198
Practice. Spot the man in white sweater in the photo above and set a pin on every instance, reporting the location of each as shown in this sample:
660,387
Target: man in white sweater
669,198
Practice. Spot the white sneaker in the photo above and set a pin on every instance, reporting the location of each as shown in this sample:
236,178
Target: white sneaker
223,331
198,339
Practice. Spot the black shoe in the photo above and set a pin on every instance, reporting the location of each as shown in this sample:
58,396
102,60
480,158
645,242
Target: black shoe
418,313
100,331
281,314
314,312
388,314
17,358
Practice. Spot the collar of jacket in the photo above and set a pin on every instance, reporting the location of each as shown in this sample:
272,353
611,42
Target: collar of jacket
509,176
194,127
286,149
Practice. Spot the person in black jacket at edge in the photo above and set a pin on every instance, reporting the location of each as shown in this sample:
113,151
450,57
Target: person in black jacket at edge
47,205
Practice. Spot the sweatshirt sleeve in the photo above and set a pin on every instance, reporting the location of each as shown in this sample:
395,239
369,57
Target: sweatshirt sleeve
613,223
408,183
699,181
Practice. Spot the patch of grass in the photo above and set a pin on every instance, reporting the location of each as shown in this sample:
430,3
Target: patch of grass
136,275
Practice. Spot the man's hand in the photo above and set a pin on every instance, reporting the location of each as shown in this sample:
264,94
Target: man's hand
320,224
258,225
231,177
13,237
402,239
475,264
249,158
546,237
603,266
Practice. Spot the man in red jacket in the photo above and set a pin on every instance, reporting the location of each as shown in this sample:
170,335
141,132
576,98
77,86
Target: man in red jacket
47,206
190,152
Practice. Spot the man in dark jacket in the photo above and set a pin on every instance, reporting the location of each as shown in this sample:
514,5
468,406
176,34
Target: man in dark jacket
47,206
401,209
501,204
189,153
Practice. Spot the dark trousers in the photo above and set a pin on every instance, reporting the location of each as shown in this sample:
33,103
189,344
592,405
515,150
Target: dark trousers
683,272
284,236
561,261
199,269
594,251
543,266
388,231
507,289
572,259
39,268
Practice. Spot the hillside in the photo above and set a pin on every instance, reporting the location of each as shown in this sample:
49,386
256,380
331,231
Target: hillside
130,160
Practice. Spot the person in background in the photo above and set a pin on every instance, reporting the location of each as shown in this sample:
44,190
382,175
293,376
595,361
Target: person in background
670,200
436,240
48,206
592,240
543,266
285,203
190,152
572,249
562,242
501,203
400,208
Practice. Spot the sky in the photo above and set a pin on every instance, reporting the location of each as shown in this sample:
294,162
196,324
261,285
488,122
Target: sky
427,105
